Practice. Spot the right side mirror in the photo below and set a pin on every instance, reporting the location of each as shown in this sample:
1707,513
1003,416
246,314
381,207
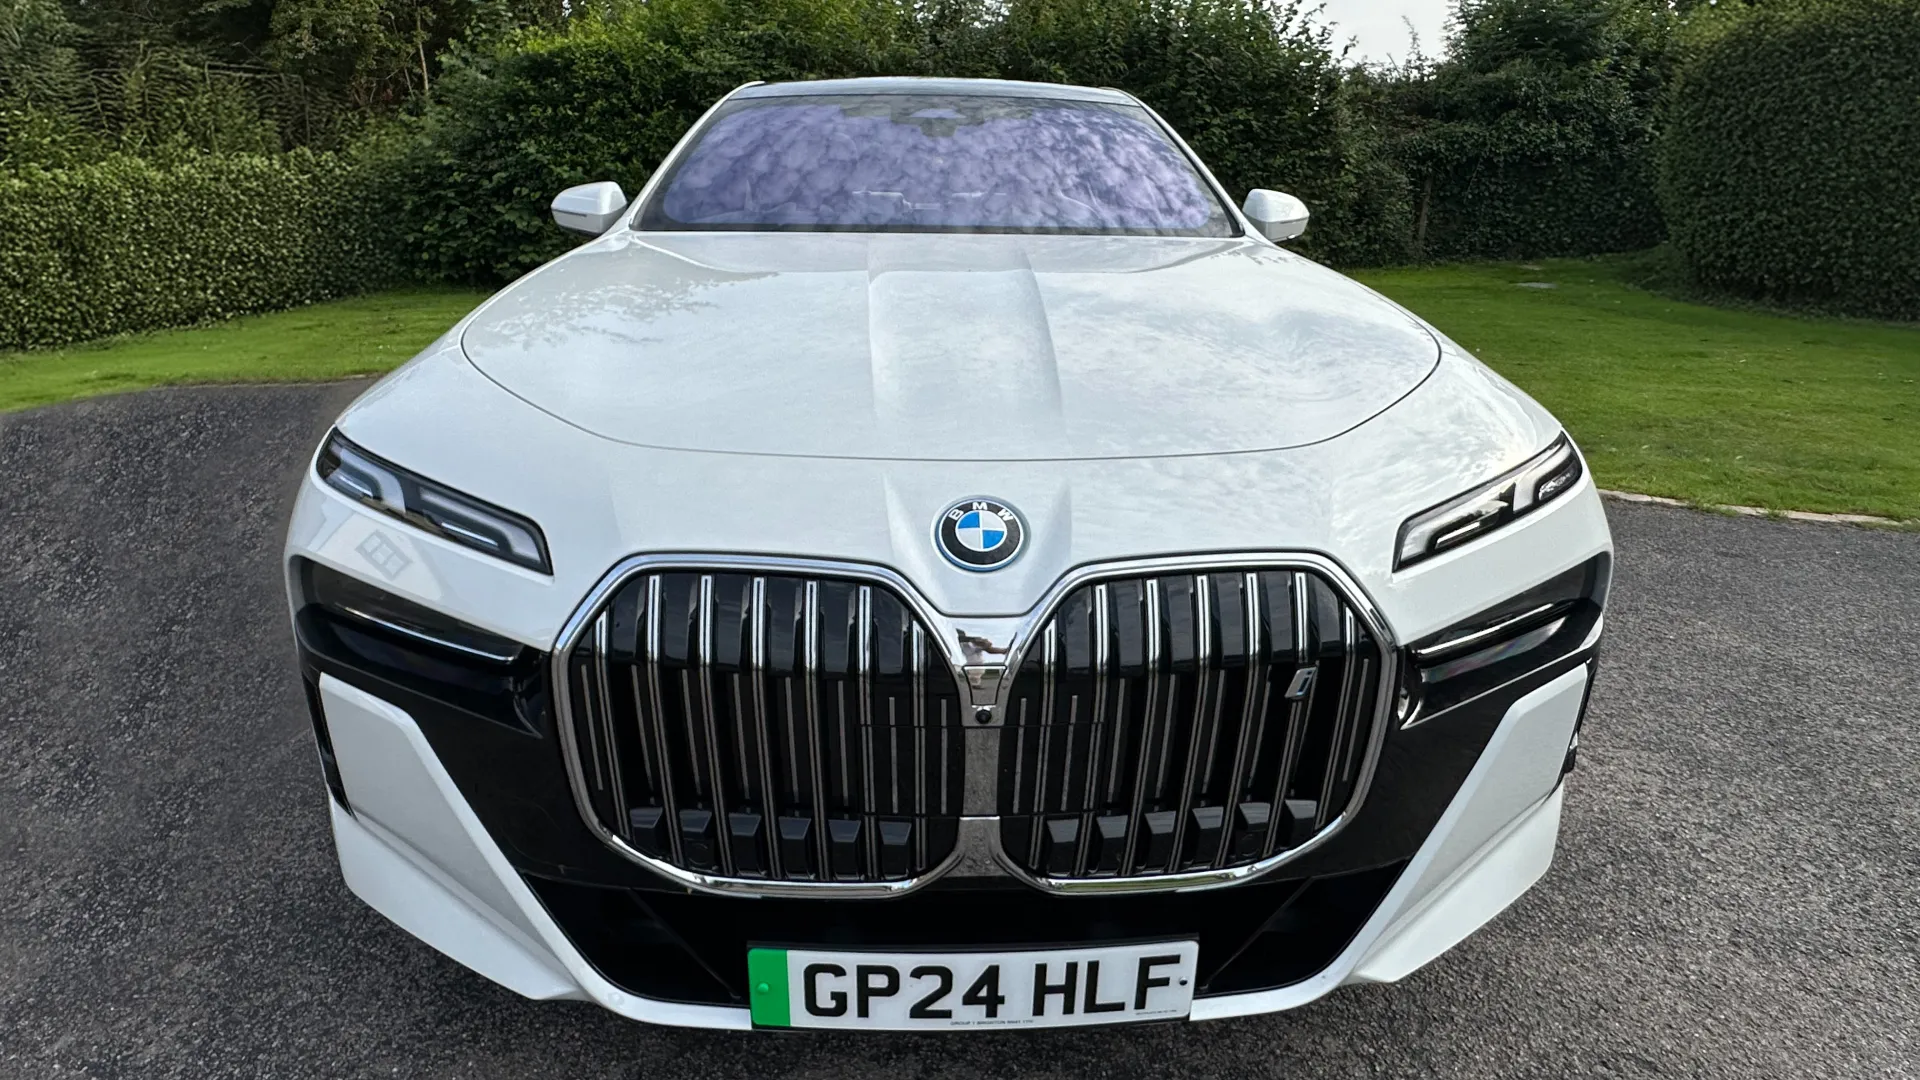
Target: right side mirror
589,208
1278,215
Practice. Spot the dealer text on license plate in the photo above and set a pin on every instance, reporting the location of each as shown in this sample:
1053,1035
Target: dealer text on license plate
1047,988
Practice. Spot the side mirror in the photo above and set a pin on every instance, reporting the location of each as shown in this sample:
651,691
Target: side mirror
1278,215
589,208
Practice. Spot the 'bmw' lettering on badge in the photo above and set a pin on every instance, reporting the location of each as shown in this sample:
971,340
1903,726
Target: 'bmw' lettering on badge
980,534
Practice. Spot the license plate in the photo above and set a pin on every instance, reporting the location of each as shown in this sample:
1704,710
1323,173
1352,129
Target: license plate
1112,984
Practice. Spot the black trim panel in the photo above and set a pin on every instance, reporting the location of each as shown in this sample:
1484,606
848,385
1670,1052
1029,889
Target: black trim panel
694,948
1421,770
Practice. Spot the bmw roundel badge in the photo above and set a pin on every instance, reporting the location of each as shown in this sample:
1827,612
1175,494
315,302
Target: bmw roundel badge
980,534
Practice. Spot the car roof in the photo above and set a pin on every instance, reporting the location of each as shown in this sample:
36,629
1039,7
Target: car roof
917,85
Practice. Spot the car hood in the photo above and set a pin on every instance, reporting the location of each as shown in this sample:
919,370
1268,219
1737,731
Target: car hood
952,348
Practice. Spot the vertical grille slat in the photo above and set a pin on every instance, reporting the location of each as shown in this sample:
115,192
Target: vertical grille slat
1177,723
715,755
945,728
770,727
1253,707
1299,708
810,704
603,702
1102,645
756,674
1337,746
917,662
863,651
669,805
1197,726
1043,718
599,758
1150,669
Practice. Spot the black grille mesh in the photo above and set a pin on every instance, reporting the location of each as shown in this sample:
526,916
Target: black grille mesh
1185,722
770,727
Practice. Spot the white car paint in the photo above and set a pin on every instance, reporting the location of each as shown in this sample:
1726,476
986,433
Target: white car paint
908,346
825,397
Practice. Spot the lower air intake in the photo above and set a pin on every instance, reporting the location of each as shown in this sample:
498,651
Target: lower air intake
1187,722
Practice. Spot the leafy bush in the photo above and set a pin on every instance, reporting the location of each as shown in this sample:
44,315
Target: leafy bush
1787,158
126,245
1535,136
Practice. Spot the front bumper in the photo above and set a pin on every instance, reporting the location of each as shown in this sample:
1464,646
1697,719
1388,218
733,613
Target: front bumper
1473,825
452,816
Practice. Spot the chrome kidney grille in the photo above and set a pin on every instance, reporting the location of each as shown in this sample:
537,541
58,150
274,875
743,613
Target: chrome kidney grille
768,727
1186,722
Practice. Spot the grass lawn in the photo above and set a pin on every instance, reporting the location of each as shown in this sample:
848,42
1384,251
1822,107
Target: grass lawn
1666,397
366,335
1688,401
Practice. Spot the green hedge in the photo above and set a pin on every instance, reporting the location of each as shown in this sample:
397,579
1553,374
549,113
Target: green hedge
126,245
1790,156
1567,172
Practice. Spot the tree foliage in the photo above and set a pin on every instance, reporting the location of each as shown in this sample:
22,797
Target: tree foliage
1253,85
1534,137
159,78
41,83
1788,153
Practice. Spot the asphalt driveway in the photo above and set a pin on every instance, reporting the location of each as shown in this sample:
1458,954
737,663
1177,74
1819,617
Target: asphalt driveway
1737,891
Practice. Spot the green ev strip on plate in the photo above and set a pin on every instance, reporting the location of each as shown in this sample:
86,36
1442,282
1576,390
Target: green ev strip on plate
885,991
767,987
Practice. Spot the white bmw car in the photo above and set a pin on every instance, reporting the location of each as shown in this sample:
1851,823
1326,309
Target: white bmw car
933,561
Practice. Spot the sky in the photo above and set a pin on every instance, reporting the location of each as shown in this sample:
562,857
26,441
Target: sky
1380,26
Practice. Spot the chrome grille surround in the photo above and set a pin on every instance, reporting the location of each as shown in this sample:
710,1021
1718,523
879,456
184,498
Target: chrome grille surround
1178,725
982,654
720,716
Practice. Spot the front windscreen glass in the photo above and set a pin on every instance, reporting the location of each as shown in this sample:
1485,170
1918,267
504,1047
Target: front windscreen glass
935,163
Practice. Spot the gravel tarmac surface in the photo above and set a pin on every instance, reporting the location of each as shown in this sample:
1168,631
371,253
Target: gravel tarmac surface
1737,891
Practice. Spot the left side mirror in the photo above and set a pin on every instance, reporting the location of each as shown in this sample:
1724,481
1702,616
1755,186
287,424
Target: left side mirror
589,208
1278,215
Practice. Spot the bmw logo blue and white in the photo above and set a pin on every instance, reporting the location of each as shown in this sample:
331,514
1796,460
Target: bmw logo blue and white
980,534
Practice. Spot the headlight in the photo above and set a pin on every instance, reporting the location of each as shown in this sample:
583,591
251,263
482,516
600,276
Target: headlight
1548,475
424,504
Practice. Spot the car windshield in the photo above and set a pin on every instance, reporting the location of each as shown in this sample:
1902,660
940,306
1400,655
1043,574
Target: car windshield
935,163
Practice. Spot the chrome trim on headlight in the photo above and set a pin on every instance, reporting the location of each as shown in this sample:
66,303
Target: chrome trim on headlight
1485,509
1466,643
430,506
